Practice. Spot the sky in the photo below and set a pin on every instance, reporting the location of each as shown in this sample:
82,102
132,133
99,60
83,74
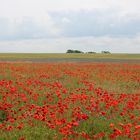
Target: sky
54,26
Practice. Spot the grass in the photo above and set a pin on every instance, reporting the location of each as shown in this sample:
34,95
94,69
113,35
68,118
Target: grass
65,55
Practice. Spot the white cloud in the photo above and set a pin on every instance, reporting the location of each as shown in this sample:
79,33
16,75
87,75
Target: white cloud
18,8
113,44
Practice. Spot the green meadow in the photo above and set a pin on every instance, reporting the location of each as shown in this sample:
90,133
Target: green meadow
69,55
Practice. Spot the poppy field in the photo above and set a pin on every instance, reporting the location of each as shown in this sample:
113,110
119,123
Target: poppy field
69,101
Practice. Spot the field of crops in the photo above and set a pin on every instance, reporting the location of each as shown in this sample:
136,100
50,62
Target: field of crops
69,101
69,55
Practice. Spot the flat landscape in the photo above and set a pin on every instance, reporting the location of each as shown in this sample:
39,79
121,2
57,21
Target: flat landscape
69,70
52,57
64,99
68,55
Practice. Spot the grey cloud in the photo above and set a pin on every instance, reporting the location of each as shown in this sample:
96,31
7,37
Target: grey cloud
29,29
96,23
5,28
25,28
71,24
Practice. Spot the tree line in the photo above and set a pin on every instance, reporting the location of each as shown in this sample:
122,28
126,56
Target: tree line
78,51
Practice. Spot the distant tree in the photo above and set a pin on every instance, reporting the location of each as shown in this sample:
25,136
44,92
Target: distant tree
91,52
74,51
105,52
70,51
77,51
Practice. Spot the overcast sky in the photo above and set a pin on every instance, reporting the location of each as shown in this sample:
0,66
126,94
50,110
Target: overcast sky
58,25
